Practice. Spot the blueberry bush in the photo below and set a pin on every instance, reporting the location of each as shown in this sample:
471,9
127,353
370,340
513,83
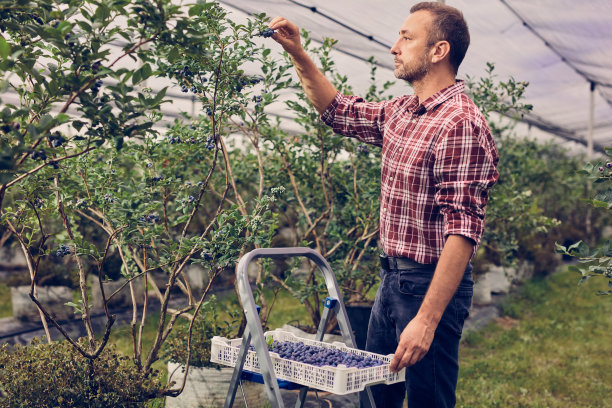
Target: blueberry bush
332,193
594,257
88,175
53,375
535,188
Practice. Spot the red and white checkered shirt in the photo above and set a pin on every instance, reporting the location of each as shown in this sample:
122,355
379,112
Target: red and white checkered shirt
438,164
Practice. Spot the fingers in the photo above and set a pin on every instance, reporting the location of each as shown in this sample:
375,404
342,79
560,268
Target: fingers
406,357
286,34
395,365
275,21
414,344
286,28
281,23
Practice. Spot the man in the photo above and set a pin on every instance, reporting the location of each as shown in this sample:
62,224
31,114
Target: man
438,164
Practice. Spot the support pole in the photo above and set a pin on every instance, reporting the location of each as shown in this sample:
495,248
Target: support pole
588,226
591,120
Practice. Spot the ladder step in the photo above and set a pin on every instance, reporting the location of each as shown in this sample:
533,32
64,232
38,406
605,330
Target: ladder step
258,378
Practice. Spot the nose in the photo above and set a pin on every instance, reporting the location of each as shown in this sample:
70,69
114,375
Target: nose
395,49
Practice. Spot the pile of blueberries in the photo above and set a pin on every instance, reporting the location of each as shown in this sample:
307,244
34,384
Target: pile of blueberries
320,356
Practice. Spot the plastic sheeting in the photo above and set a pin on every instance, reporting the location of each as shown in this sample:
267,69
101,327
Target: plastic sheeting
558,46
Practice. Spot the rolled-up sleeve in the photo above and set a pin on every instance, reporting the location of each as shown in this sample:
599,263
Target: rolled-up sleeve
354,117
464,170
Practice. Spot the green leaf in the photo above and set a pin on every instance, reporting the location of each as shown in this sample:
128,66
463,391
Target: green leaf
102,12
575,246
62,118
45,121
160,95
5,48
136,77
146,71
64,27
77,124
173,55
599,204
196,10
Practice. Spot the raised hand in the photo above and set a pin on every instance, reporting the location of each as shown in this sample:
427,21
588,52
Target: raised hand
287,35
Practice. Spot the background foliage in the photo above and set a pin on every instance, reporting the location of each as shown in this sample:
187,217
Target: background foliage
594,256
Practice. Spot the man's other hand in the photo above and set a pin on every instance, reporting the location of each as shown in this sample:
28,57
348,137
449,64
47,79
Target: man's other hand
414,343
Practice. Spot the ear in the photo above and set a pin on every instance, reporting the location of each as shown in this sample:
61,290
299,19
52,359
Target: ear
439,51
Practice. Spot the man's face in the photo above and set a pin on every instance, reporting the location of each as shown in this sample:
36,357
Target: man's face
411,53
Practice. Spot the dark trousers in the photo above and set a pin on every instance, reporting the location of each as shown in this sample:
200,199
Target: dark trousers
432,381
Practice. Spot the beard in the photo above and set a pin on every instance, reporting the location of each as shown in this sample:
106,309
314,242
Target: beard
414,70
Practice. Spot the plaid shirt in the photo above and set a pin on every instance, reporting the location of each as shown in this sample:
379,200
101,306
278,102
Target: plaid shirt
438,164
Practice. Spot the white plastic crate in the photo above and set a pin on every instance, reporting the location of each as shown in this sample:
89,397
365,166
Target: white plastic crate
338,380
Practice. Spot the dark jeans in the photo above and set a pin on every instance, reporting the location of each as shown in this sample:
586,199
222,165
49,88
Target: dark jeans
432,381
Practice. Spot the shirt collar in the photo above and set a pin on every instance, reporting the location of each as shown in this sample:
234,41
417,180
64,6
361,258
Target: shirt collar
436,99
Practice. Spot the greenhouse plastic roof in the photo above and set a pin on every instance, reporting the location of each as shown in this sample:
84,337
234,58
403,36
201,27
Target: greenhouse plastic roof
560,47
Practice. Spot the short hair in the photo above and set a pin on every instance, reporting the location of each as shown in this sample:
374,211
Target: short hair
448,25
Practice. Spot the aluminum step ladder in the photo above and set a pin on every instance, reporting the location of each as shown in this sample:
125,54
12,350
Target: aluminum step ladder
254,333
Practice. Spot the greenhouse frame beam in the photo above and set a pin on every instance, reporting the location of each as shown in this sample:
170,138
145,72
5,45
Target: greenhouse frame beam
559,131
